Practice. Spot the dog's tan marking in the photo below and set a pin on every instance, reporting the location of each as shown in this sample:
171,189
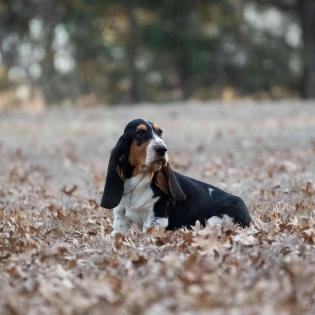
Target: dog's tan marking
119,172
142,127
156,128
161,179
137,156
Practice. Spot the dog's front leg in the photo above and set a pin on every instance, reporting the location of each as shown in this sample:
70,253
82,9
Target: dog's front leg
152,221
147,222
121,222
159,221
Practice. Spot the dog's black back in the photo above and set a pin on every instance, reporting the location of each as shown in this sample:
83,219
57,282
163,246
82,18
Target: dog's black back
202,202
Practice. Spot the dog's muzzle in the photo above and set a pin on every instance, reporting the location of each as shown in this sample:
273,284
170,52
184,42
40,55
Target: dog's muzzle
156,153
161,154
160,150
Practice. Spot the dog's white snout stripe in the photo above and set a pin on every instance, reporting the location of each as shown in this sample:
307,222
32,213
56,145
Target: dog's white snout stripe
151,153
158,140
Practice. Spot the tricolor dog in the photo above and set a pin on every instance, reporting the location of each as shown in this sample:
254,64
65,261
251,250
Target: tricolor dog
142,188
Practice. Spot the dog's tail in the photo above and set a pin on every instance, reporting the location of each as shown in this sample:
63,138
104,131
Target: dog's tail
235,208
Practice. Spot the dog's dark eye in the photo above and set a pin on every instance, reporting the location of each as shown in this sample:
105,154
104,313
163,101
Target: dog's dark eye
140,133
159,132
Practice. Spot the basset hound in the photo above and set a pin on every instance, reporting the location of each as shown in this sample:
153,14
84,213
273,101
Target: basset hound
142,188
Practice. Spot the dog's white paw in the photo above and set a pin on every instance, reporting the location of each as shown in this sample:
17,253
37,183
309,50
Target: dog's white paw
215,220
161,222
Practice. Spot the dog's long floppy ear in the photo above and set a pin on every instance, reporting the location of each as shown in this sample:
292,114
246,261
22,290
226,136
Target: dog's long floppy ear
116,175
166,180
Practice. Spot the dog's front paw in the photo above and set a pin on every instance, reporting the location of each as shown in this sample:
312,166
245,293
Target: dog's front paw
114,233
161,222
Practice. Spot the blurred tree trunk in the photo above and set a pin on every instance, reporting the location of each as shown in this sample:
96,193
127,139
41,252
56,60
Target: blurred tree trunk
186,26
305,11
307,19
135,93
48,67
184,74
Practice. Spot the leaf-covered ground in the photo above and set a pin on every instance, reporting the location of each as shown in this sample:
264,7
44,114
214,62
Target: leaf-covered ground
57,255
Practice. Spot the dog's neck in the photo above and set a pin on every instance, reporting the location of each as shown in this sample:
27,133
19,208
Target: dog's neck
138,182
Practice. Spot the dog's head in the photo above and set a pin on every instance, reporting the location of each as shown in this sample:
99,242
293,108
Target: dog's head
148,151
140,150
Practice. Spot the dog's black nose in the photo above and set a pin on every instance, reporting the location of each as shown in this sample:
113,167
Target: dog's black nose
160,149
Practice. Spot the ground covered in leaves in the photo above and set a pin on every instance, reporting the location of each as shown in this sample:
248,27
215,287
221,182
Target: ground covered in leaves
57,255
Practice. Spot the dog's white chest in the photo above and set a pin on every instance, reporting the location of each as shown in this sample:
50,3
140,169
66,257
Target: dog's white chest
138,199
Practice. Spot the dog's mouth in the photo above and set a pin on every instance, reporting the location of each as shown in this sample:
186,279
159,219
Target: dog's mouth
161,161
156,164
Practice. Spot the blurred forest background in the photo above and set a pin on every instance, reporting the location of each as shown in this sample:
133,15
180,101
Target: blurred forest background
124,51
